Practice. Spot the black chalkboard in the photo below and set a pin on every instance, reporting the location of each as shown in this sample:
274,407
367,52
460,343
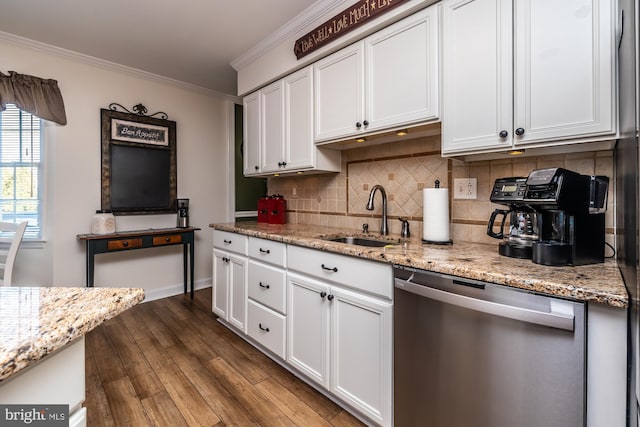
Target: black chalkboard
139,178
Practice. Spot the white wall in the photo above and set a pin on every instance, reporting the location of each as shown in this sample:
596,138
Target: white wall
73,177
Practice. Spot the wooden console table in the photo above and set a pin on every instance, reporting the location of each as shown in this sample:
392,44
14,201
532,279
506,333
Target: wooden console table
140,239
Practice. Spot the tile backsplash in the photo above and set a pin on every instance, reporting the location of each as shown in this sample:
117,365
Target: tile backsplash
404,168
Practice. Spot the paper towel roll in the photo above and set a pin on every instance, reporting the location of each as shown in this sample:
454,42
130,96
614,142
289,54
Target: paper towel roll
435,218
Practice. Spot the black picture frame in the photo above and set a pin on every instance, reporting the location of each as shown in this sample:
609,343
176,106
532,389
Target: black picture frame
138,162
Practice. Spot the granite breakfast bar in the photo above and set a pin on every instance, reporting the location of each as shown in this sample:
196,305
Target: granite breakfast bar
42,333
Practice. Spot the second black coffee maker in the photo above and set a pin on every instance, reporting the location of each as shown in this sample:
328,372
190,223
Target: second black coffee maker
570,217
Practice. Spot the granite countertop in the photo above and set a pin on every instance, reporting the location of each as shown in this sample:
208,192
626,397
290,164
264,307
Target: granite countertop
36,321
600,283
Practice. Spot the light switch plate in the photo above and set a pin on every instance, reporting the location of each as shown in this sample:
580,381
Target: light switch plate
465,188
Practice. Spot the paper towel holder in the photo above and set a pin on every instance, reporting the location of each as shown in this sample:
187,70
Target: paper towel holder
437,242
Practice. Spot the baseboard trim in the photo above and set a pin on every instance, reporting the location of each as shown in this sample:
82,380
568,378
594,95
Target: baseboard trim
172,290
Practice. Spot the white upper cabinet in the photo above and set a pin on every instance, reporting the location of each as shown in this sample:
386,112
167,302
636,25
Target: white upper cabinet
251,130
524,73
339,90
299,150
272,119
388,79
477,74
564,69
402,72
282,118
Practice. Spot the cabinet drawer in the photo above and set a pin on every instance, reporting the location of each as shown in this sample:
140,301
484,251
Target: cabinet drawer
267,327
268,251
267,285
167,240
230,241
116,245
364,275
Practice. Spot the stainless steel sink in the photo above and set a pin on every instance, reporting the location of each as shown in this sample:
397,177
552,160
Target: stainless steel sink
360,241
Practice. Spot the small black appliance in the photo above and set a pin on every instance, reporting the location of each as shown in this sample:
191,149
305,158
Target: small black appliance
570,214
523,225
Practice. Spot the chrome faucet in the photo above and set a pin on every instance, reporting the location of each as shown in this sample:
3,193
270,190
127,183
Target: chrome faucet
384,227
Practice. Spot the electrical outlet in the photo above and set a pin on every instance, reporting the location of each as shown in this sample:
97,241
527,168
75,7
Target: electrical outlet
465,188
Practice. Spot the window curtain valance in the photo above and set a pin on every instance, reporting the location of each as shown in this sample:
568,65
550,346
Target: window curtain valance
40,97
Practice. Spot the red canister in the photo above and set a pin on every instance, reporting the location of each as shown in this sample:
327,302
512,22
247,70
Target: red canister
277,210
264,206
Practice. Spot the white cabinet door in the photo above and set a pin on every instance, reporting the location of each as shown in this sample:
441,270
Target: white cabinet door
238,292
230,288
272,126
308,327
477,75
361,353
220,283
526,73
402,72
564,69
299,148
339,93
343,341
251,124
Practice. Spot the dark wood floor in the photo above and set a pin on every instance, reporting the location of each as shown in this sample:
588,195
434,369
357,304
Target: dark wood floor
170,363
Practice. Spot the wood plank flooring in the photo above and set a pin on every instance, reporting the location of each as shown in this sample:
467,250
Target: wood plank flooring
170,363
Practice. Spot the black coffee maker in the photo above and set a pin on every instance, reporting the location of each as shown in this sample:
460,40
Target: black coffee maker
522,231
570,216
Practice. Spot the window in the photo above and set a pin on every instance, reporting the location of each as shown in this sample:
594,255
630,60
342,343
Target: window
21,170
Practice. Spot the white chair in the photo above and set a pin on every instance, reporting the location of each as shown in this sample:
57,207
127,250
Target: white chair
10,238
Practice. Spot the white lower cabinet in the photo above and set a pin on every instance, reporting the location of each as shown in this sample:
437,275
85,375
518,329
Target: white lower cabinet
230,287
342,340
308,338
267,327
266,285
327,316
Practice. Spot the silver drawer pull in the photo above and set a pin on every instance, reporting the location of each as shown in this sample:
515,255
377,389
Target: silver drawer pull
334,269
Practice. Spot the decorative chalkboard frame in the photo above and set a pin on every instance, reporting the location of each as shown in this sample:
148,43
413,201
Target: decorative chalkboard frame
138,163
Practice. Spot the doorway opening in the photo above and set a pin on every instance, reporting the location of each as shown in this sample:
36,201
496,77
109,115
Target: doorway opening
247,189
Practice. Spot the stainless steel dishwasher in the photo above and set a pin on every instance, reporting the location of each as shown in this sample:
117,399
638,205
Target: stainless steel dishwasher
469,353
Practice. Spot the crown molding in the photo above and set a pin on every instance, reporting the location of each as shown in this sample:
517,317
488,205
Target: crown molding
107,65
290,29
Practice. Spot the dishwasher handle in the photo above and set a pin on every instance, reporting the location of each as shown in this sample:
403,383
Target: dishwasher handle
542,318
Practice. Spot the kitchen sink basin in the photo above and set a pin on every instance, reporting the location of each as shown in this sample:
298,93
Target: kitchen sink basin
360,241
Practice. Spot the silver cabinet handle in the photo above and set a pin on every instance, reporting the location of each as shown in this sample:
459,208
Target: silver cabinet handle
517,313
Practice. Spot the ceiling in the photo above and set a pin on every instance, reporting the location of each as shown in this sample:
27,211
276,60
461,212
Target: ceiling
193,41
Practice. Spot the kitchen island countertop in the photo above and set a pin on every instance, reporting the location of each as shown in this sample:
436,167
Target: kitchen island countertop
600,283
37,321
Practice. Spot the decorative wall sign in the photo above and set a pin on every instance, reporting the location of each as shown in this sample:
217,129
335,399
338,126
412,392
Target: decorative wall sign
123,130
342,23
